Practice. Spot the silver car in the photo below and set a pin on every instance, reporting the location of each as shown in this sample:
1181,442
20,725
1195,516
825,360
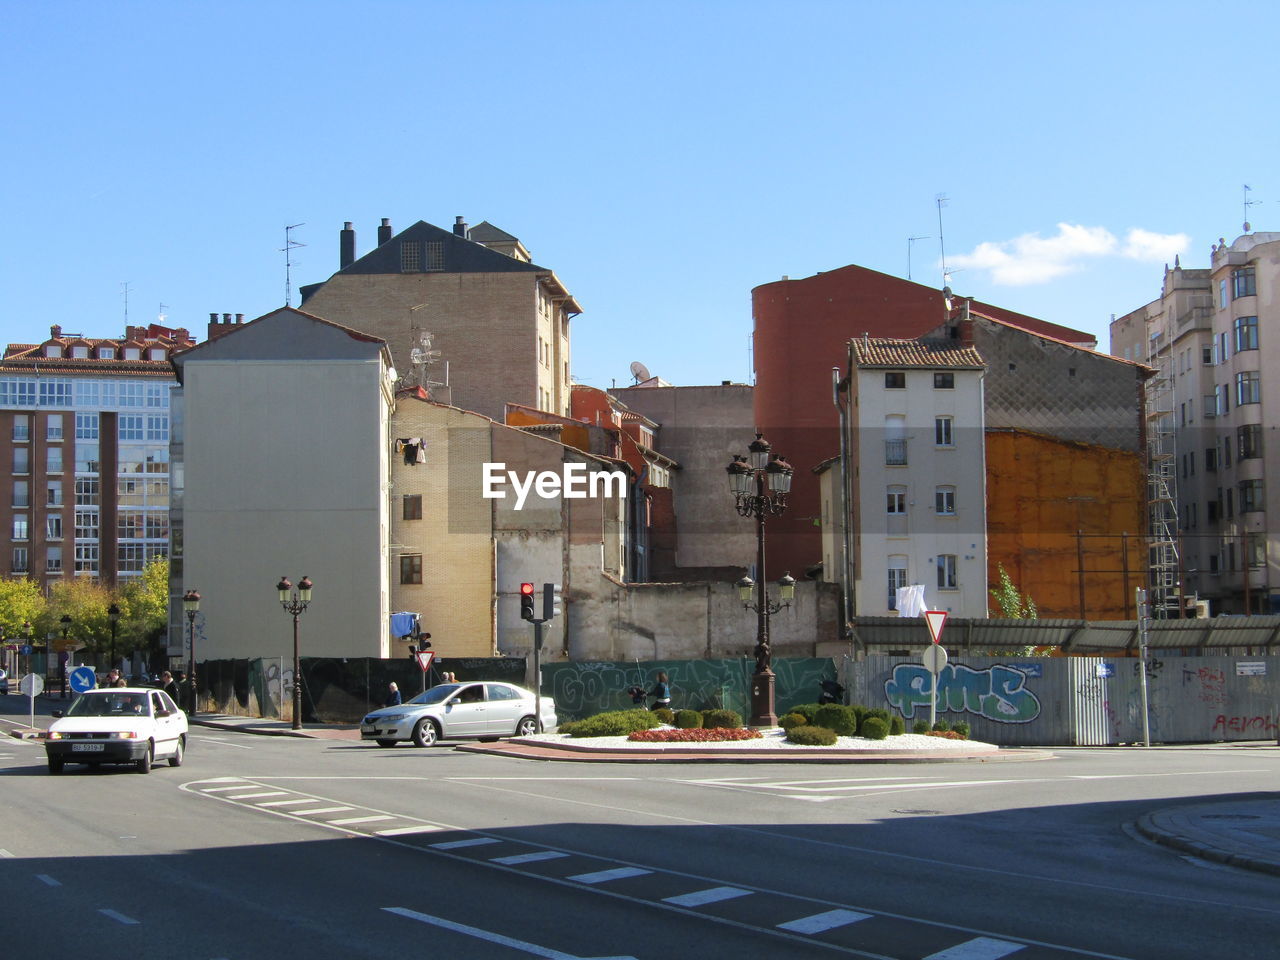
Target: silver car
460,711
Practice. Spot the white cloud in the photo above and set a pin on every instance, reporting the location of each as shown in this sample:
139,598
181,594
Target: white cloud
1144,245
1031,258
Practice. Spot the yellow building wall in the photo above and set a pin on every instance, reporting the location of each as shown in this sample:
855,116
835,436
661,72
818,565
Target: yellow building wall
1040,492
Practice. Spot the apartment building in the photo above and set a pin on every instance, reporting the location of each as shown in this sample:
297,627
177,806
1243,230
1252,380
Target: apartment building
84,432
1213,336
497,323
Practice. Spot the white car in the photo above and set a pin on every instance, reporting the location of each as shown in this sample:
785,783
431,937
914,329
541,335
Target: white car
459,711
134,725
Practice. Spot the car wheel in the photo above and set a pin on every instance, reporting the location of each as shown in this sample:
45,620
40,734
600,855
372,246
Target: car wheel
527,727
144,762
425,733
179,749
386,743
55,764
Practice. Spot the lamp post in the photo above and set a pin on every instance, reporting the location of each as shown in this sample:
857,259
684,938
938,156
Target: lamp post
62,668
760,484
26,634
294,602
191,606
113,614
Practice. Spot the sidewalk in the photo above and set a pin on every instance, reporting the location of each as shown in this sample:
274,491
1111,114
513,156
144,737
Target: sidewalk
276,728
1241,833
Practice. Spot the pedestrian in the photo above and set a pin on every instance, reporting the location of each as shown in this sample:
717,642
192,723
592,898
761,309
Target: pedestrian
393,695
169,685
114,679
661,692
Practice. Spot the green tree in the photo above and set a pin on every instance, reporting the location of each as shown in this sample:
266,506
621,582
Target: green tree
1012,604
86,603
144,606
20,602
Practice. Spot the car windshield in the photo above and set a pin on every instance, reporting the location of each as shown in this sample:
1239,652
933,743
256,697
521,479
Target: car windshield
109,705
437,694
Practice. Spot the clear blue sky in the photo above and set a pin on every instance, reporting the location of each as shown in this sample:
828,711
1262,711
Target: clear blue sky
662,157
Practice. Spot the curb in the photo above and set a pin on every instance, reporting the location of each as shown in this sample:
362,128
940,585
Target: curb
1147,825
581,754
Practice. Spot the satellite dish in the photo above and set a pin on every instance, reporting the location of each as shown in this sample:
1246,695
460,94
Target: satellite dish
639,371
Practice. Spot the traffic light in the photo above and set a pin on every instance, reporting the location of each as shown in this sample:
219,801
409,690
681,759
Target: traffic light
526,601
551,600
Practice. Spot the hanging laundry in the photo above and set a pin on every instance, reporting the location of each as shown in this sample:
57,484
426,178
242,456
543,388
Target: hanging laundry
413,448
911,600
404,624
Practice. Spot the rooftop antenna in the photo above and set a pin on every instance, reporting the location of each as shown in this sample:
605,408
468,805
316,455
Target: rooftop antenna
160,315
290,245
910,243
124,286
1247,204
941,200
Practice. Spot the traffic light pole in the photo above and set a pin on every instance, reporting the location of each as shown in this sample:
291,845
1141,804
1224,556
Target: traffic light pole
537,675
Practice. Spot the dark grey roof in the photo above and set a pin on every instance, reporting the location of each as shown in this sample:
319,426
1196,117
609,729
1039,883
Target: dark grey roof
460,255
486,232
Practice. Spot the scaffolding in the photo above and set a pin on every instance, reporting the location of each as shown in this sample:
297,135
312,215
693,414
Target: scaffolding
1164,591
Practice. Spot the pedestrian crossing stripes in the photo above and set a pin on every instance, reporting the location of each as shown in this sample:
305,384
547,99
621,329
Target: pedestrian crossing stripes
820,922
700,897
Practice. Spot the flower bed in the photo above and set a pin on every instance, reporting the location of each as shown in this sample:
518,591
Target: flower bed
709,735
946,734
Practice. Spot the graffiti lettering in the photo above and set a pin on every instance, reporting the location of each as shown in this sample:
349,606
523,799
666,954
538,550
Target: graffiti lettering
1154,666
1259,724
1212,683
997,693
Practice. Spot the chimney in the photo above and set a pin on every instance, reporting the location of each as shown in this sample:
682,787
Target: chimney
346,246
55,332
384,231
459,227
239,318
965,326
226,318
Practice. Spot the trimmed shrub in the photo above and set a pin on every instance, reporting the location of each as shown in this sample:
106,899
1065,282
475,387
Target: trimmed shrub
807,735
726,719
806,710
688,719
837,717
897,726
873,728
942,724
920,726
789,721
873,713
961,728
666,715
568,727
617,723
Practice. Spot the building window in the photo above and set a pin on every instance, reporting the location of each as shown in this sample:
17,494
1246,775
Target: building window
944,381
412,507
944,500
21,561
53,493
87,458
130,427
156,353
1210,406
52,350
21,460
942,432
411,569
895,380
897,578
157,525
53,560
946,563
1210,459
87,558
53,460
53,426
1243,283
21,493
86,525
1249,441
1206,354
130,395
1212,511
1248,388
86,426
895,452
17,392
435,255
1252,496
87,491
897,501
129,526
1256,549
1246,333
53,526
21,427
157,395
410,256
130,557
55,392
158,429
20,526
106,353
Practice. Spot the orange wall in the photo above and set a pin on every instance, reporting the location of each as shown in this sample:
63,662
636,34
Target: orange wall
1040,491
572,435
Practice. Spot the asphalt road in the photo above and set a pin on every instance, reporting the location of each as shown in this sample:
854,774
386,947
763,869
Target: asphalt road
260,847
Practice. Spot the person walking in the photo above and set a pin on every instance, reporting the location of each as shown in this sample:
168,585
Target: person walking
169,685
393,695
661,692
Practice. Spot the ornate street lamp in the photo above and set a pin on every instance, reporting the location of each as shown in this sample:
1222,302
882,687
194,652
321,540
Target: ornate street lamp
113,614
191,606
760,484
294,603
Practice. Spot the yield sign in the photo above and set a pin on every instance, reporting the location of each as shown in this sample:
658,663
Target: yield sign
424,660
934,619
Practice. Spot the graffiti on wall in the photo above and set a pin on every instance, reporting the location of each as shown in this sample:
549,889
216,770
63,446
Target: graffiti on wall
1207,683
1264,726
996,693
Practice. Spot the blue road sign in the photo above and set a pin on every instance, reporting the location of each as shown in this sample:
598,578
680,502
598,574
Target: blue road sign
26,650
83,679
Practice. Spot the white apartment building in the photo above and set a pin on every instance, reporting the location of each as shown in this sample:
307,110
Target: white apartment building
1213,334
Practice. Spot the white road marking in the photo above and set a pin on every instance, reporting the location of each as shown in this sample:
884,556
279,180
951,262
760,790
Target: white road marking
529,857
6,855
983,948
604,876
402,831
820,922
531,948
47,880
238,786
222,743
119,917
459,844
314,810
710,895
344,822
252,796
287,803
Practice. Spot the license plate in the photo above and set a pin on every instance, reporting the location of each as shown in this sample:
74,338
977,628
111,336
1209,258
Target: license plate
86,748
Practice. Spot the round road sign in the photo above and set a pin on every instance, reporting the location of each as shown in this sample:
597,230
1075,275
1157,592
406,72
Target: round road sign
935,658
32,685
83,679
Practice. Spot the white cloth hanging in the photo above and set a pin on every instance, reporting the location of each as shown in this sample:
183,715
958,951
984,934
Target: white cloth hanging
910,600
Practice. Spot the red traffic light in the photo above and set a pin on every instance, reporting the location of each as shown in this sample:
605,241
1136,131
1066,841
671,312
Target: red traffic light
526,589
